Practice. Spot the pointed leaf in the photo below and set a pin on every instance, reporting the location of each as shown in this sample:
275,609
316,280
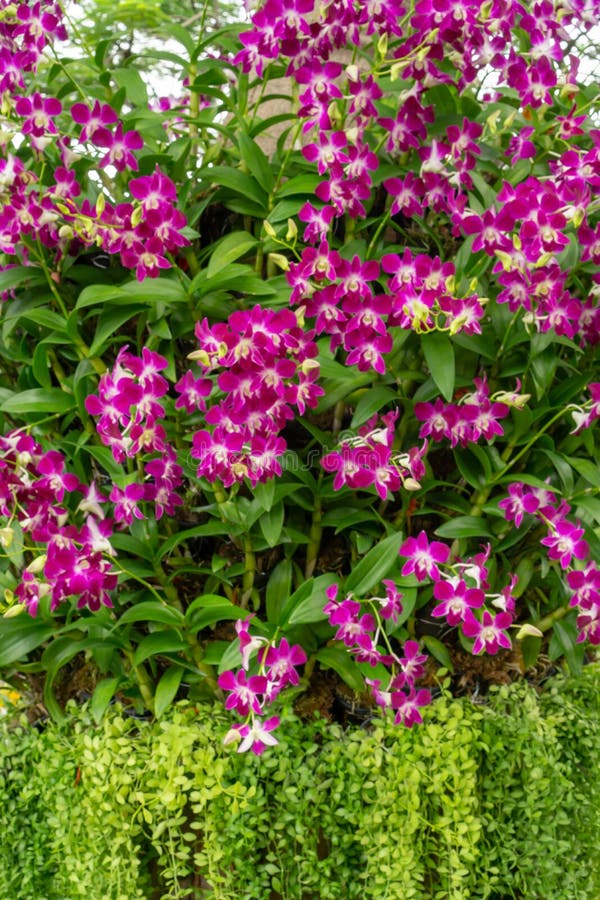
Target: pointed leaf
375,565
46,400
338,659
166,689
439,355
232,247
103,694
156,644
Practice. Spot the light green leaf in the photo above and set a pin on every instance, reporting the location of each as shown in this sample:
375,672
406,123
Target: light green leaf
46,400
306,604
132,81
21,635
230,248
152,290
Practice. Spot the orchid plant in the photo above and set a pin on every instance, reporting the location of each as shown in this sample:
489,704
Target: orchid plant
339,294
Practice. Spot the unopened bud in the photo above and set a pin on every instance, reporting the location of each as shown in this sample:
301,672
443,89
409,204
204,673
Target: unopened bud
14,611
269,230
232,737
136,216
528,630
280,260
292,231
65,232
37,565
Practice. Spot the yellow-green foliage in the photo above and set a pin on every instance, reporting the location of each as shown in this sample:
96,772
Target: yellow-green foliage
492,801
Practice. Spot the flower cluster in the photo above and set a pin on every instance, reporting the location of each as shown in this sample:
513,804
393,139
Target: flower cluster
68,560
343,108
25,31
41,210
361,632
264,365
566,545
250,695
476,415
422,298
534,222
130,406
369,459
462,587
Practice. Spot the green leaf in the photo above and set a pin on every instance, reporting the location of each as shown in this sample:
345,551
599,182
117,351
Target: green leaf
210,608
271,524
20,277
103,694
156,644
375,565
180,34
41,366
232,657
371,402
530,650
543,368
338,659
237,181
439,355
256,161
475,468
208,529
151,611
464,526
278,589
45,400
586,469
306,604
149,291
234,245
264,493
47,319
109,323
132,81
300,184
166,689
19,636
564,643
439,651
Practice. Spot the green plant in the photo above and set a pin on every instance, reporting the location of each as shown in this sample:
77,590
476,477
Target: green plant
489,800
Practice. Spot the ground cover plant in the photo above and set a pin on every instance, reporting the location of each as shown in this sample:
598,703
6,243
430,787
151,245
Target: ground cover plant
481,801
298,366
